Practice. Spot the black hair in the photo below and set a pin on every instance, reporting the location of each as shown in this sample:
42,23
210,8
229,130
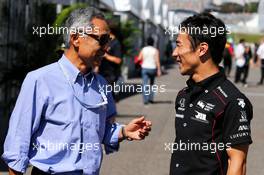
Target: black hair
242,40
150,41
201,22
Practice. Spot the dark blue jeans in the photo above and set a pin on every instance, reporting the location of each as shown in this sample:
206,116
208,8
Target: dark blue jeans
148,76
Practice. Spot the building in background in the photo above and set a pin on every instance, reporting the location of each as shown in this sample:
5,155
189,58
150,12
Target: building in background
261,15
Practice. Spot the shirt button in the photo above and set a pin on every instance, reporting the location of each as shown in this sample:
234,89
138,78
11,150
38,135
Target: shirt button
177,165
206,91
191,105
184,124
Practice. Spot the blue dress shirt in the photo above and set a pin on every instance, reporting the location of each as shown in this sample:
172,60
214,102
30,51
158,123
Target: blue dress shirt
60,120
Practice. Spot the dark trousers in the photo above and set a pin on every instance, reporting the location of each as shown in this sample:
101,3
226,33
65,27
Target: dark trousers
239,71
262,71
245,73
36,171
227,67
148,76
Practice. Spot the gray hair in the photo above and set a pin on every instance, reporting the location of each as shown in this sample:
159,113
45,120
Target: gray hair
80,19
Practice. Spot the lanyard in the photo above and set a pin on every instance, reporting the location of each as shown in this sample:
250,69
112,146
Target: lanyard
87,106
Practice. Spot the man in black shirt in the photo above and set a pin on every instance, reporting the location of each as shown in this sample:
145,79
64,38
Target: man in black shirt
110,67
212,116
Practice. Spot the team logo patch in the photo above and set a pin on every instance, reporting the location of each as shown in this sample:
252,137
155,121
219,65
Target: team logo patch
201,117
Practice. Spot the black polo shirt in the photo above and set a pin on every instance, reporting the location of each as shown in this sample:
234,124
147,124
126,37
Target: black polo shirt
211,115
108,69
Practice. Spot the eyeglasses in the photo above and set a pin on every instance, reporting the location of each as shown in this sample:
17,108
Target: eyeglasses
103,40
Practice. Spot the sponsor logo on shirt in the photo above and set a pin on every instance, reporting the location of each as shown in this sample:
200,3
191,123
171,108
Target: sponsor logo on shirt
182,104
243,128
200,117
238,135
243,117
205,106
241,102
179,115
181,109
222,92
201,104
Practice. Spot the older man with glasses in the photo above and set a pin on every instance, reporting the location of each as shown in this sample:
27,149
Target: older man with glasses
62,114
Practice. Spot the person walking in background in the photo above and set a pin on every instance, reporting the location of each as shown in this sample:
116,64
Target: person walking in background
260,53
255,60
110,67
228,55
248,57
240,60
150,68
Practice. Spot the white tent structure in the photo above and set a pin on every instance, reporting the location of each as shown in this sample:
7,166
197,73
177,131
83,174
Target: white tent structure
261,15
155,11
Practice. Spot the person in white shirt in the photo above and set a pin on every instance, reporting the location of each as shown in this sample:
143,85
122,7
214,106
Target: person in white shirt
240,60
150,68
260,53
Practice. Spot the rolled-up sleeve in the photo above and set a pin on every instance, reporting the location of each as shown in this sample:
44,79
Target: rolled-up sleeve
24,121
112,130
111,137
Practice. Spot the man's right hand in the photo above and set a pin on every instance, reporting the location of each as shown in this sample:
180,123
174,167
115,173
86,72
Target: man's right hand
138,128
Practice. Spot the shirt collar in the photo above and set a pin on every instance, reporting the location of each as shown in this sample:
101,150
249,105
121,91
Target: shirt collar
208,82
72,71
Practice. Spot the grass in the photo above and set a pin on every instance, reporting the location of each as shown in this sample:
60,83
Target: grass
253,38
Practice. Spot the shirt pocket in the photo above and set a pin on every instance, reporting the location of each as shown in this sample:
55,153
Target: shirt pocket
95,119
60,112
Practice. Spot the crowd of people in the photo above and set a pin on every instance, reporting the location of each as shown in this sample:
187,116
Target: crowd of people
245,55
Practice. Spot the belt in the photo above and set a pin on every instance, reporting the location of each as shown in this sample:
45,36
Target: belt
36,171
